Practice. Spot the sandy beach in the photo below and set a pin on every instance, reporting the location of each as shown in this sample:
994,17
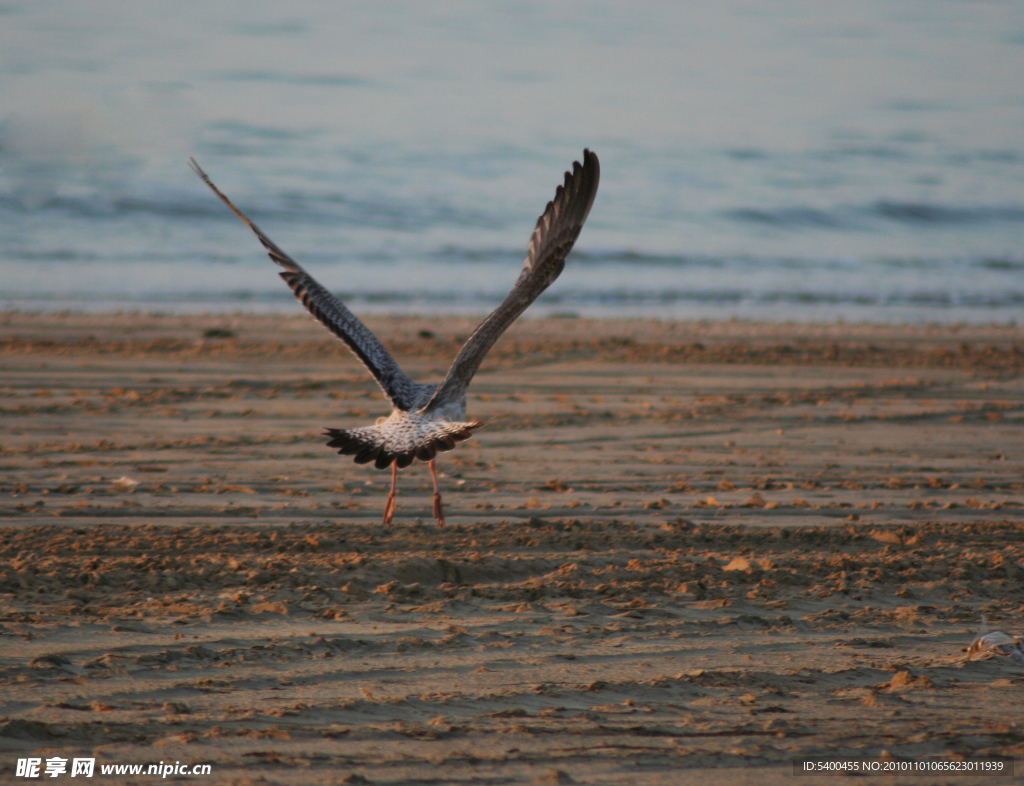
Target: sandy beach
682,552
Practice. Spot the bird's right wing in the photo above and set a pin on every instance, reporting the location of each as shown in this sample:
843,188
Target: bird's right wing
332,314
556,231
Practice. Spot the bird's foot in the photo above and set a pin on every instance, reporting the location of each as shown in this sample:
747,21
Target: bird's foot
438,511
389,510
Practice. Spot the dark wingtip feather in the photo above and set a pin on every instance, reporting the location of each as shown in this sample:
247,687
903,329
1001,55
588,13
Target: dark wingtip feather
344,441
368,454
404,460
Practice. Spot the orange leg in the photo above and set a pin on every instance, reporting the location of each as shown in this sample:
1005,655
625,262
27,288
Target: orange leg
438,507
389,507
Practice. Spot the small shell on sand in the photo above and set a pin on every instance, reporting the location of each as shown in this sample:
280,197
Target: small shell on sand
998,643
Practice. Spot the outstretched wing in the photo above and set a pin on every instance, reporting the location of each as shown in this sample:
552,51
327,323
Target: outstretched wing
557,229
333,314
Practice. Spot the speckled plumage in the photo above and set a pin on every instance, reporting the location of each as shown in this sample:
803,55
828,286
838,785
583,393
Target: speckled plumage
429,418
400,438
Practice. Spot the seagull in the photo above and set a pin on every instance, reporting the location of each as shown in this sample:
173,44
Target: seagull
428,419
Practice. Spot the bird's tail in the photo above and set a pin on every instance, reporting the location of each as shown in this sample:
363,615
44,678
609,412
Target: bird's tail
401,439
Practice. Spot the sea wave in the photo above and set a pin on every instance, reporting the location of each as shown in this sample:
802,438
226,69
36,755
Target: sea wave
615,300
290,209
307,79
860,217
403,213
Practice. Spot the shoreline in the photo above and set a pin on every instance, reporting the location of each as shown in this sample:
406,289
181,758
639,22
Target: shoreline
703,417
430,344
368,311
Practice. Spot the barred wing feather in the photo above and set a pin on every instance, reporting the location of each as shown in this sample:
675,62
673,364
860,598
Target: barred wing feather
332,314
556,232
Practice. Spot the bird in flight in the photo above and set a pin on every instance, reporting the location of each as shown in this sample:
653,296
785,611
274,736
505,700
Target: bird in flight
428,419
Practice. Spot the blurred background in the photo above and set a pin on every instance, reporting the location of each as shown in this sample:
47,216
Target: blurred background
761,160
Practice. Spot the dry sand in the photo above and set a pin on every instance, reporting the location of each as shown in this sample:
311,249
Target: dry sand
678,552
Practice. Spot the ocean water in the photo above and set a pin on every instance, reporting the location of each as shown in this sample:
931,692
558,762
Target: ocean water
761,160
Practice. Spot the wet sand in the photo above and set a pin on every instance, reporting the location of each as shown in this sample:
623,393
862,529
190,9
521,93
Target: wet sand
678,552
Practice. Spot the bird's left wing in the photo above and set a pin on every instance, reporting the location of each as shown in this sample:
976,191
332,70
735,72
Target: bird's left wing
332,314
556,231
